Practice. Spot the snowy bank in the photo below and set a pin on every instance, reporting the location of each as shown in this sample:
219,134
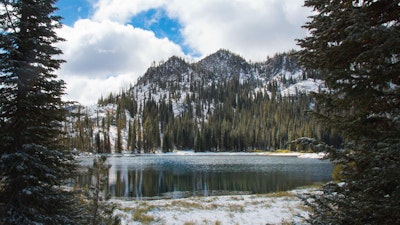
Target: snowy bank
287,154
302,155
274,208
320,155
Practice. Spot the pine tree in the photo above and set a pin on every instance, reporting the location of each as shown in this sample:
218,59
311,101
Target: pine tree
99,210
356,46
33,164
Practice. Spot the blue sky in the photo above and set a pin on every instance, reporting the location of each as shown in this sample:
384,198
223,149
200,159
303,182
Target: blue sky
158,21
72,10
154,19
110,43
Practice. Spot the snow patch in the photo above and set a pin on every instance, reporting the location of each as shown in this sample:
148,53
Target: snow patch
275,208
305,86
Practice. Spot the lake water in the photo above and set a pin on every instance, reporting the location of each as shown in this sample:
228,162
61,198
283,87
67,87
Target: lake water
178,176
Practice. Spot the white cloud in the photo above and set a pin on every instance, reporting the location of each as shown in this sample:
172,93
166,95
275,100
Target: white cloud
98,51
251,28
87,90
103,53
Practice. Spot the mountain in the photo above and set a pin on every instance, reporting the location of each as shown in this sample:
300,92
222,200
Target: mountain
224,65
176,78
220,103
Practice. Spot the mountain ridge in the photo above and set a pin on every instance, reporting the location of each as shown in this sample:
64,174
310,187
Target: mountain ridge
280,73
209,105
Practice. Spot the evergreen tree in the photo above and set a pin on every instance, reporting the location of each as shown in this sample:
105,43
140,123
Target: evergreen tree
167,143
33,164
356,46
99,210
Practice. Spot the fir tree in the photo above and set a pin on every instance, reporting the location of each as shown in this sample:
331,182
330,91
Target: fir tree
99,210
356,46
33,164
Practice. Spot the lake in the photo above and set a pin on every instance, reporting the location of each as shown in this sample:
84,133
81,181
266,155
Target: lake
179,176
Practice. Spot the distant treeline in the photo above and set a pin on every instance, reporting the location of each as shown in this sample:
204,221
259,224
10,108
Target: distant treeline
223,116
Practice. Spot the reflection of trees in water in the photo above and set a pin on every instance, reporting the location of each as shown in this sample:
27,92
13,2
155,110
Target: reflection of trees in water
175,177
141,183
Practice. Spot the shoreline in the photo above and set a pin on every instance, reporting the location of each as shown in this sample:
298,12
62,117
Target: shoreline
320,155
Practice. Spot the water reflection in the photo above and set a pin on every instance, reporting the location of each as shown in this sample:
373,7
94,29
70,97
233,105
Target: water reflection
183,176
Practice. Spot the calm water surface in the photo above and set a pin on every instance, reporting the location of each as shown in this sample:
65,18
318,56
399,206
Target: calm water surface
177,176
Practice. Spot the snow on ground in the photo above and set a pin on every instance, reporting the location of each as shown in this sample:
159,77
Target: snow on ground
319,155
305,86
274,208
302,155
286,154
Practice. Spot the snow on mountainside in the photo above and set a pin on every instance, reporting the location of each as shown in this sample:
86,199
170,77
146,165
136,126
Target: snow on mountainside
280,73
224,64
184,86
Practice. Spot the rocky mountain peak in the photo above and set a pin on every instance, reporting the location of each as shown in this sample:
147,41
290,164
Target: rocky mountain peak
175,62
169,70
224,63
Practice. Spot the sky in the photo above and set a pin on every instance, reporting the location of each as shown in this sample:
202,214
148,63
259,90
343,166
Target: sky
111,43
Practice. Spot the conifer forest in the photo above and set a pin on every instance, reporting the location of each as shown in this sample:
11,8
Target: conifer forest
204,109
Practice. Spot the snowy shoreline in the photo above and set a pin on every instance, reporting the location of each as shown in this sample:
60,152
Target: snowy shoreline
320,155
273,208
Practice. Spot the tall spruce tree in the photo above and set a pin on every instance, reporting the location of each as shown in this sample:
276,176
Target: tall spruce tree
100,211
33,164
356,45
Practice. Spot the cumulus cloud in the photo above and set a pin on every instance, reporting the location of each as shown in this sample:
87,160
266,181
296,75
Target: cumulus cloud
104,52
100,49
87,90
251,28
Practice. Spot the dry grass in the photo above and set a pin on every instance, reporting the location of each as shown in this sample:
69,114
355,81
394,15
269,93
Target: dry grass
140,214
280,194
282,151
187,204
236,208
286,222
189,223
237,198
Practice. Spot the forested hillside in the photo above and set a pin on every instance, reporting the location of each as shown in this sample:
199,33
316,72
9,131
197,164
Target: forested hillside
220,103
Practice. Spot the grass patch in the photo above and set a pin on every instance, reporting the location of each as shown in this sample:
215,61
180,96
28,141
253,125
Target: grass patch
280,194
189,223
181,204
286,222
186,204
206,200
140,214
236,208
213,206
268,205
282,151
257,151
237,198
